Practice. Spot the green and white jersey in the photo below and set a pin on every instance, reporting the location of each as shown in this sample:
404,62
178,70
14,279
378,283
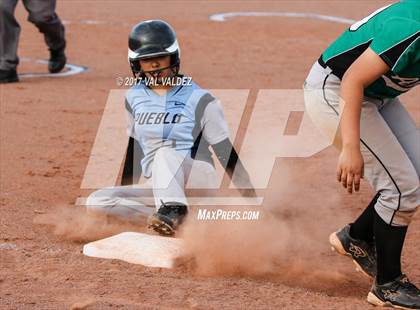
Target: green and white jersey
393,33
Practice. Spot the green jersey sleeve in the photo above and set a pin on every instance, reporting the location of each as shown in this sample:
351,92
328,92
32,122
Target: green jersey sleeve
397,43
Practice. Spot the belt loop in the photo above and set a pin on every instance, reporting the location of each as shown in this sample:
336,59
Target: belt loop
321,62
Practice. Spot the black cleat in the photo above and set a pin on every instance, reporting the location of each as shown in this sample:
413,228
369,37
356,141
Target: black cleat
362,253
167,219
57,61
400,293
8,76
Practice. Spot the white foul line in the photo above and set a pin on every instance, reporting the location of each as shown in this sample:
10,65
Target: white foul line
221,17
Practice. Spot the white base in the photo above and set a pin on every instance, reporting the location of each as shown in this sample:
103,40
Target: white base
137,248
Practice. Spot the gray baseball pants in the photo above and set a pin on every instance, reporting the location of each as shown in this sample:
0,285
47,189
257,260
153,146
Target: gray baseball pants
390,143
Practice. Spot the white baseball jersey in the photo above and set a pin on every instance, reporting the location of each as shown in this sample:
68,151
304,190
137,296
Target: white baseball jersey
187,118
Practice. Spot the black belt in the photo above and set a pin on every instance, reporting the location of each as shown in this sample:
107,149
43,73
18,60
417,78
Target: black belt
325,66
322,62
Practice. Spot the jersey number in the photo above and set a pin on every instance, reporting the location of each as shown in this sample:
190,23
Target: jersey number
363,21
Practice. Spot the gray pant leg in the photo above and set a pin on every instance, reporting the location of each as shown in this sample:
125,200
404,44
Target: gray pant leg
42,14
9,35
120,201
388,168
404,129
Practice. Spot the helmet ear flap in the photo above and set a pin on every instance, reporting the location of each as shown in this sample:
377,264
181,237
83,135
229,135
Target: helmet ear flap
175,63
135,66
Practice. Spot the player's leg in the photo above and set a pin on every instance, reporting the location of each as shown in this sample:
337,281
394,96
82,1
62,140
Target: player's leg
404,129
390,172
408,136
390,230
388,169
321,92
168,190
123,202
362,227
42,14
9,38
168,176
171,172
356,240
202,178
201,175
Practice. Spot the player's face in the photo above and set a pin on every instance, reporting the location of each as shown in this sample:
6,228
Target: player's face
156,63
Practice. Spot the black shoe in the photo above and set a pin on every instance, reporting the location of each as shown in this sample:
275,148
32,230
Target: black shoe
167,219
8,76
57,61
399,293
362,253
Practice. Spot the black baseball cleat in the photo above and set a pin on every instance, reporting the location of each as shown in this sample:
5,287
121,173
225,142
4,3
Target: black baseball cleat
362,253
400,293
57,60
8,76
167,219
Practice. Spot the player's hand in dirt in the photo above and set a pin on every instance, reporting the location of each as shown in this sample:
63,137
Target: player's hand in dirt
350,168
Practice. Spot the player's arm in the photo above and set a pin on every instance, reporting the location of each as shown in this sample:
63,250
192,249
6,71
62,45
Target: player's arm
132,168
363,72
134,154
216,132
229,159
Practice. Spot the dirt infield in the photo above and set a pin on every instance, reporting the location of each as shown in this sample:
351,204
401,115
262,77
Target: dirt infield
47,130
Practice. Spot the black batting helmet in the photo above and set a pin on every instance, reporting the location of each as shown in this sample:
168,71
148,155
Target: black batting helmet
152,38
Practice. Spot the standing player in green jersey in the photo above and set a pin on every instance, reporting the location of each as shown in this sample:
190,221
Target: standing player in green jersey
355,86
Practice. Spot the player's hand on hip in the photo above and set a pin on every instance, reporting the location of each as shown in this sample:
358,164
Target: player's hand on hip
350,168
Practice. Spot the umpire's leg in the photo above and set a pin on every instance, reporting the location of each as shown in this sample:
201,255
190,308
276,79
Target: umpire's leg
42,14
9,35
